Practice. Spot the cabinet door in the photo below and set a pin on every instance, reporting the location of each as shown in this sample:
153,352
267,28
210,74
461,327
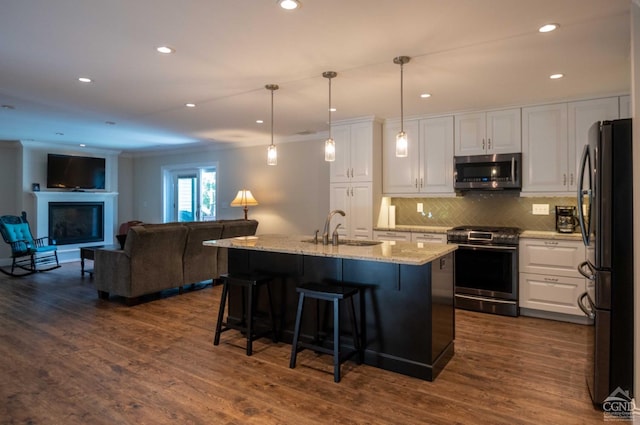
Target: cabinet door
556,294
400,175
436,155
361,152
544,148
582,115
360,211
340,169
429,237
503,131
470,134
551,257
339,199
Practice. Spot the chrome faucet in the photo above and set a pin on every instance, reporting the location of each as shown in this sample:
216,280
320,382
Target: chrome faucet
325,233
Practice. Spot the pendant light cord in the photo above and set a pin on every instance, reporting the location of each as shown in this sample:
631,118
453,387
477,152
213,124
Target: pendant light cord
271,118
402,97
329,108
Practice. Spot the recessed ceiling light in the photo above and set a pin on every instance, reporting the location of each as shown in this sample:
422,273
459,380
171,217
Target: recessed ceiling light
165,49
190,105
332,109
289,4
259,121
556,76
548,27
425,95
84,79
82,145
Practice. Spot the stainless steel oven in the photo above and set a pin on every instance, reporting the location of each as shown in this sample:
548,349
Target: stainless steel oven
486,268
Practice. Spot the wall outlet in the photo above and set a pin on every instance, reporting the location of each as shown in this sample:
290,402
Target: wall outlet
420,207
540,209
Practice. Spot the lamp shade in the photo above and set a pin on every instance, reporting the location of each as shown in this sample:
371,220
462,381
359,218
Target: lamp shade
244,198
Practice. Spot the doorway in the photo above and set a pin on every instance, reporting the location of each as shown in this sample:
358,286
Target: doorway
190,194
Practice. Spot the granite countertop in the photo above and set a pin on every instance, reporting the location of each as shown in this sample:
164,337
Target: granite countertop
533,234
541,234
411,253
410,228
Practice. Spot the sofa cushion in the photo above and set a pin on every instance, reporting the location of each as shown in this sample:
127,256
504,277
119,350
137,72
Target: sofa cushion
199,262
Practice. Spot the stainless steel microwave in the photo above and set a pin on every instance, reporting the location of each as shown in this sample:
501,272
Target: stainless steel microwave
488,172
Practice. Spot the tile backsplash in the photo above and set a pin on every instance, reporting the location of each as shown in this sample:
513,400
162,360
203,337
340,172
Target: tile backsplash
481,209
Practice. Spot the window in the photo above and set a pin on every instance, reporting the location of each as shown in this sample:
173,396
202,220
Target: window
190,193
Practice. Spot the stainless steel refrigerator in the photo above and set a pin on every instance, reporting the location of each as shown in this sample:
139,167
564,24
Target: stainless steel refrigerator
605,212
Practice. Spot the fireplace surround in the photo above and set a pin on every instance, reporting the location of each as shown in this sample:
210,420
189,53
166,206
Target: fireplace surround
39,217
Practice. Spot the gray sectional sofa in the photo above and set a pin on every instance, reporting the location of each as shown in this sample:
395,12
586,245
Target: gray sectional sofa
164,256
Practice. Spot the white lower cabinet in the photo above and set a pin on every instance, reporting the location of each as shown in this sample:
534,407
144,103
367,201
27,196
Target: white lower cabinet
429,237
549,278
384,235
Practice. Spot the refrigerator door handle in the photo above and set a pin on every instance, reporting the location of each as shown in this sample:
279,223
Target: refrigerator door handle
583,163
588,311
592,270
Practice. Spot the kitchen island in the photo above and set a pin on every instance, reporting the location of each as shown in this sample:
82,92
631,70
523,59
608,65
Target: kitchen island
406,307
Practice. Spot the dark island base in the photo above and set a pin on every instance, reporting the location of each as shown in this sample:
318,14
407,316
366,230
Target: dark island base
406,313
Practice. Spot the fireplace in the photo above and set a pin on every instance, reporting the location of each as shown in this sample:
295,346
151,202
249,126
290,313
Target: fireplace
76,222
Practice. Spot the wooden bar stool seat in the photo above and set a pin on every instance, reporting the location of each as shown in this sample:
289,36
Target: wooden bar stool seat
333,293
249,284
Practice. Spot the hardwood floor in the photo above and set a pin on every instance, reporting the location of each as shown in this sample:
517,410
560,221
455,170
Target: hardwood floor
69,358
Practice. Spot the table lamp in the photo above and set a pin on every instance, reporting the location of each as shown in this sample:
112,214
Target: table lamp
244,198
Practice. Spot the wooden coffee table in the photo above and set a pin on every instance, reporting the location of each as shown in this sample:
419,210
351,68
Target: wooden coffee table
88,253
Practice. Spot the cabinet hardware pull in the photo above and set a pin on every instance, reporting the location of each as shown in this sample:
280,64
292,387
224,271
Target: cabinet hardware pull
416,183
571,179
351,191
420,181
489,143
550,279
550,243
564,179
347,191
482,144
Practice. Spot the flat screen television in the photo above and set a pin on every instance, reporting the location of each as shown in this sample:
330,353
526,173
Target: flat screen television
75,172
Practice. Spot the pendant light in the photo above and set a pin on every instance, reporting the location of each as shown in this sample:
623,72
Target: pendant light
272,153
401,137
329,144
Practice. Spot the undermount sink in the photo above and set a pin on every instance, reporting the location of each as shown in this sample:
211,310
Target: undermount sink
349,242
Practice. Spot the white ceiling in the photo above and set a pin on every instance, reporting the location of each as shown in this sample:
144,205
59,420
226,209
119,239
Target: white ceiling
469,54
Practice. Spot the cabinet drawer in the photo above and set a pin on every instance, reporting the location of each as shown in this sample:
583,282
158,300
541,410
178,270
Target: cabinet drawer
552,257
556,294
429,237
380,235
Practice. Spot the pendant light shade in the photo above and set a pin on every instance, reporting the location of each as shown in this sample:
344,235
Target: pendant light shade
272,152
329,144
402,144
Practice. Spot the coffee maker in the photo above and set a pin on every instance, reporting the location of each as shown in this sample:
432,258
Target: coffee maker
566,220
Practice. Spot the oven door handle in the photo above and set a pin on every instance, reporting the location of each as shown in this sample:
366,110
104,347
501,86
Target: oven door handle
489,247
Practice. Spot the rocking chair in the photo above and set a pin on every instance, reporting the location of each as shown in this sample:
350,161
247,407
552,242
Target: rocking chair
29,255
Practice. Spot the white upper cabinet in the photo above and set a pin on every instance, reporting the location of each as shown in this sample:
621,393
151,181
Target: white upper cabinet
582,115
356,200
488,132
428,168
354,151
544,148
553,137
400,175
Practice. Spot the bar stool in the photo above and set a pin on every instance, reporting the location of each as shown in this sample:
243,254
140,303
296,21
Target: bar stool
334,293
248,283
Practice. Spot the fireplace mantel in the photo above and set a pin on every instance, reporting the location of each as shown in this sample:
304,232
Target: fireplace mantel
40,223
